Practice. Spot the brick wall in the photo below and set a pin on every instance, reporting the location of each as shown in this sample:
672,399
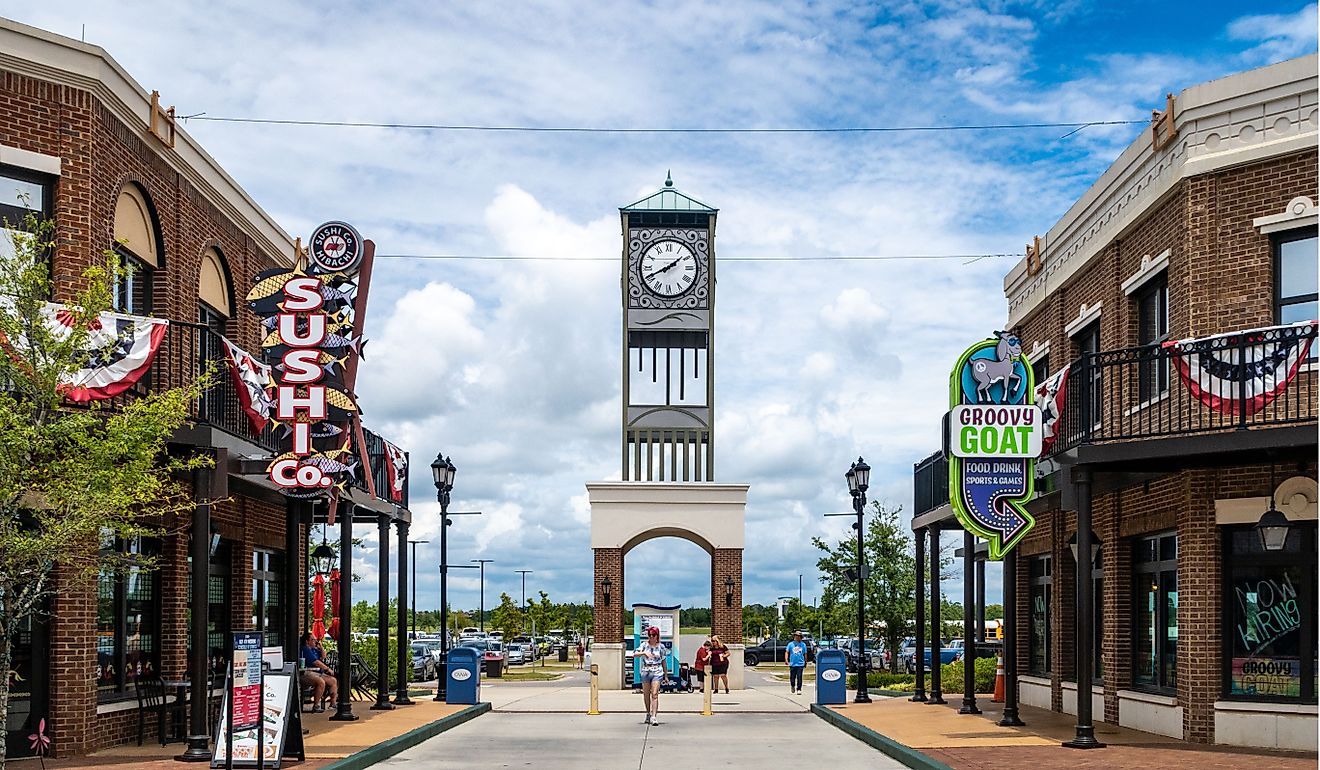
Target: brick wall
608,620
726,617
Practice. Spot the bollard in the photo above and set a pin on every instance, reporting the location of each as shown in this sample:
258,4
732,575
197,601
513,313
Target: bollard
705,706
595,690
999,681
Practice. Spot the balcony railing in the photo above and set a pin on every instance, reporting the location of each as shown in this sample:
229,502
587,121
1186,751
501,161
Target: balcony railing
186,351
930,484
1141,392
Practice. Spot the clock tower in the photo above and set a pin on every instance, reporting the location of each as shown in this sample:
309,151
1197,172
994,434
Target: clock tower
668,283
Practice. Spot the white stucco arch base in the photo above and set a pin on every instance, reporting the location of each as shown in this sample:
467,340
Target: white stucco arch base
625,514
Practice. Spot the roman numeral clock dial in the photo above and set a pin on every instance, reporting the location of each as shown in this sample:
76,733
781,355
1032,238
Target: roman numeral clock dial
668,268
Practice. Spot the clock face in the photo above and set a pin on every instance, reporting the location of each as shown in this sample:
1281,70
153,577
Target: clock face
668,268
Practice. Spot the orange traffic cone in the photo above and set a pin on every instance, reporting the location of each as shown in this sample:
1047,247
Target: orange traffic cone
999,681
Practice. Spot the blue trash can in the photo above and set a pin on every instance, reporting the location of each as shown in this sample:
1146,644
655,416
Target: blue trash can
831,677
463,679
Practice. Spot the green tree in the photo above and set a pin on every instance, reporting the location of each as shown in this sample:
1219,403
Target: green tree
71,479
545,615
890,586
507,618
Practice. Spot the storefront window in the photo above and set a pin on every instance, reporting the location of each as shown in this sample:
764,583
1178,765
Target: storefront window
1270,616
268,596
1155,574
127,618
1038,644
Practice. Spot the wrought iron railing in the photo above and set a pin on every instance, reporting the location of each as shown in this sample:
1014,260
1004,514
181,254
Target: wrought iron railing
1210,387
930,484
188,350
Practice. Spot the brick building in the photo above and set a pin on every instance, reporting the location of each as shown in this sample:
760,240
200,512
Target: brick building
81,142
1203,229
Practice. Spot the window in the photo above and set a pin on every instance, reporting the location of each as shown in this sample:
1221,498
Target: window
1038,643
23,193
137,244
1152,329
1270,616
1295,255
127,617
268,596
1087,342
1155,612
210,352
1040,370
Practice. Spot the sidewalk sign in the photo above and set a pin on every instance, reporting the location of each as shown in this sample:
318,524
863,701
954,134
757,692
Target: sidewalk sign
266,725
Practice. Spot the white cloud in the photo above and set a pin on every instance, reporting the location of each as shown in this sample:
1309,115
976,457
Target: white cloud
1277,36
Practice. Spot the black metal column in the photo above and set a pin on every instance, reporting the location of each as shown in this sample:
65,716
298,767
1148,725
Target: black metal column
383,614
443,676
1085,737
918,661
863,657
969,617
401,692
1010,716
980,601
199,667
936,619
294,586
344,612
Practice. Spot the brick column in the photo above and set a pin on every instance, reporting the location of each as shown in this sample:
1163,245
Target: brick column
72,649
726,617
1199,595
1115,646
1062,617
607,622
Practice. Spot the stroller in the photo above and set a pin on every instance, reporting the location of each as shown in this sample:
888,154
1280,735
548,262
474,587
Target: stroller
682,682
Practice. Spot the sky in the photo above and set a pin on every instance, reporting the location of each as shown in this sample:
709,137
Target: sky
512,368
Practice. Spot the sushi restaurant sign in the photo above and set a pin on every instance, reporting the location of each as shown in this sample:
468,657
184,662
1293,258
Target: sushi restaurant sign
312,346
993,436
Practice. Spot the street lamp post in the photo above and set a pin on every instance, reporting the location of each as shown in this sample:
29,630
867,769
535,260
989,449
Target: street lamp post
414,544
859,479
442,473
524,572
482,610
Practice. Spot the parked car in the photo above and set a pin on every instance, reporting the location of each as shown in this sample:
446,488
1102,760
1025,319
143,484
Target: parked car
947,655
424,665
516,654
874,650
432,646
769,651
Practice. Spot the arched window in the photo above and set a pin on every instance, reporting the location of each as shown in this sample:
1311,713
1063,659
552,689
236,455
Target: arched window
214,298
139,250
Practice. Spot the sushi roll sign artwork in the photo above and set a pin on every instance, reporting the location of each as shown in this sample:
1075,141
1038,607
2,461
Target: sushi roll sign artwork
993,436
312,320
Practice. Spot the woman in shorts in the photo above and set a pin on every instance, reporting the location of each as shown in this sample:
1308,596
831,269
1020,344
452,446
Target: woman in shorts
719,664
653,655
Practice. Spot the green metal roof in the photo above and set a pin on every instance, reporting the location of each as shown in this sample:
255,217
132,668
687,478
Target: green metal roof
669,199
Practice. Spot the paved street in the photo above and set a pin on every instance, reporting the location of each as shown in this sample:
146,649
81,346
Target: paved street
764,694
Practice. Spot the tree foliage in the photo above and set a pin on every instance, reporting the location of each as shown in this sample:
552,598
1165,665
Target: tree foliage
890,586
74,480
507,618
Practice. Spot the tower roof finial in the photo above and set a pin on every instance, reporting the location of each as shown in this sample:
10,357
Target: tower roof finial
669,179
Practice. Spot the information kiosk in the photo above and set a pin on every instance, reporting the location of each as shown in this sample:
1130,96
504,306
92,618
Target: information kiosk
666,619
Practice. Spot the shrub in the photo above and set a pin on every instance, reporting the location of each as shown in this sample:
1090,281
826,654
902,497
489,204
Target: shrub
951,678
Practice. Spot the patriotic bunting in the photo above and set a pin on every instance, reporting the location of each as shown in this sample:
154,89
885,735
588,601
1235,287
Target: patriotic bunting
253,383
1051,396
1241,373
396,464
121,349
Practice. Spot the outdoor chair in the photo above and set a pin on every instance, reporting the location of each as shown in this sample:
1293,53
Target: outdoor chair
152,699
364,678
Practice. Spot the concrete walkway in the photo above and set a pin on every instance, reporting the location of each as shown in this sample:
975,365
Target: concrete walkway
613,741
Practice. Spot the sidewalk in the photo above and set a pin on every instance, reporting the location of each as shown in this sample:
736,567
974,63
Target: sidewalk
327,741
976,742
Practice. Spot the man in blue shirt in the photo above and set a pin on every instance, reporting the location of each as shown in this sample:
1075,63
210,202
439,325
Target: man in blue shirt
316,674
795,655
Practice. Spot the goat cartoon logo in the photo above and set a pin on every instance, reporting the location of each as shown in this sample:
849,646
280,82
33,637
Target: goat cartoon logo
988,486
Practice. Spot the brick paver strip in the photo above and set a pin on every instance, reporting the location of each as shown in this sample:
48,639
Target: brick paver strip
938,738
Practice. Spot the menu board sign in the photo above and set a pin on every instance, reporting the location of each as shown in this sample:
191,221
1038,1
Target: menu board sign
271,730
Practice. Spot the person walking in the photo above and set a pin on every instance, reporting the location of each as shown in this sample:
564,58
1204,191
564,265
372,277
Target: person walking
653,655
719,664
795,655
703,657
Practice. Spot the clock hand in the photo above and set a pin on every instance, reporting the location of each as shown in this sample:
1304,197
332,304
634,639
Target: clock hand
654,273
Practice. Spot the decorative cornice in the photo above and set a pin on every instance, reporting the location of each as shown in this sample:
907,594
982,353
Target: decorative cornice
1149,268
1244,118
1300,212
1086,315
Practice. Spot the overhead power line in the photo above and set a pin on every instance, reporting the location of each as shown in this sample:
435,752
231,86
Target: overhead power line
809,258
1075,126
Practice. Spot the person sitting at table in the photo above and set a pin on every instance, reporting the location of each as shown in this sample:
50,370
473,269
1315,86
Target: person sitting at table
316,674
